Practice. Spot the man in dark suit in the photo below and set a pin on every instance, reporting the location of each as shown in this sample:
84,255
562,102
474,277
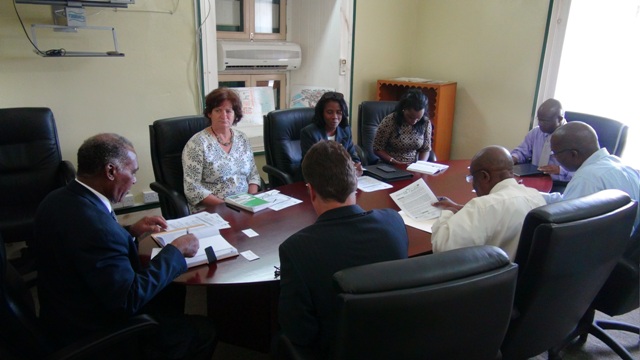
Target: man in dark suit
343,236
89,273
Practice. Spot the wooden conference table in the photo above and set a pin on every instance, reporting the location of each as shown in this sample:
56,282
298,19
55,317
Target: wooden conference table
234,284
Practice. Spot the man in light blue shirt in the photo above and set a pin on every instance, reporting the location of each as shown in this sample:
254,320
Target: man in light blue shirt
575,146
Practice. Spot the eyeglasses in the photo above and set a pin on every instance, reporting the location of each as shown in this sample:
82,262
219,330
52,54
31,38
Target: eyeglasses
555,153
332,95
469,177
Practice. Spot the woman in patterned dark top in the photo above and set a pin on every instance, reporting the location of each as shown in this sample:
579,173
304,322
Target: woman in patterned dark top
218,161
404,136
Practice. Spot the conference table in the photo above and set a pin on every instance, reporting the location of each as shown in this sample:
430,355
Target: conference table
242,295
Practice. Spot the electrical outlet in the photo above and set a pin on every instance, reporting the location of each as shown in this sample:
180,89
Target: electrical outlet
127,201
150,196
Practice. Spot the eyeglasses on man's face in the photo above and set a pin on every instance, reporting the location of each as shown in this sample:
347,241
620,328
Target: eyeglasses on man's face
469,177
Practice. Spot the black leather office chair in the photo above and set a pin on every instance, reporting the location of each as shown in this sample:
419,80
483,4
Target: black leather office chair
167,138
282,144
619,295
612,134
370,114
567,251
22,337
451,305
31,166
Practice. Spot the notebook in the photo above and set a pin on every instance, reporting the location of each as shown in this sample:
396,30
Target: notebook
387,173
526,170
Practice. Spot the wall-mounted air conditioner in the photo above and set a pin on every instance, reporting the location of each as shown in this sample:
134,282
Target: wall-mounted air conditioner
264,56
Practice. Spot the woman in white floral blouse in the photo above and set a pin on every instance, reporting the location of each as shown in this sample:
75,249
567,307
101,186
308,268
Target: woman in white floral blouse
218,161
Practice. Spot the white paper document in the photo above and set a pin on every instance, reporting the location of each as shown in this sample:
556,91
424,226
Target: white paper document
427,167
278,201
424,225
415,200
369,184
199,219
207,236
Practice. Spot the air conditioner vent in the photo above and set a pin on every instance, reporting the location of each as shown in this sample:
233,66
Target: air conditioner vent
245,55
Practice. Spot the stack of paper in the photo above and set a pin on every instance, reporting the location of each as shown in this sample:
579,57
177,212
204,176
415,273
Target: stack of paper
199,219
427,167
207,236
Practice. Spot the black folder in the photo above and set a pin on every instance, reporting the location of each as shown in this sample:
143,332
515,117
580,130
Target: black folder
387,173
526,169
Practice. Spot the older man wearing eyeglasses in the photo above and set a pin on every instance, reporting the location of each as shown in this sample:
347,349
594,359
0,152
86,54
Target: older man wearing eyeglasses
495,217
575,146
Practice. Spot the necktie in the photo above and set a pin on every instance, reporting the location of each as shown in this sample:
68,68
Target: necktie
545,153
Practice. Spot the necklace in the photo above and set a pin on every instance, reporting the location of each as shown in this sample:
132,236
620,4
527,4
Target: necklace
219,138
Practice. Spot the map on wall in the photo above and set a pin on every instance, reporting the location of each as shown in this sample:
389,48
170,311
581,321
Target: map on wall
256,102
306,96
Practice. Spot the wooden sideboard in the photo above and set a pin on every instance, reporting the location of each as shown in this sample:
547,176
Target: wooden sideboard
442,101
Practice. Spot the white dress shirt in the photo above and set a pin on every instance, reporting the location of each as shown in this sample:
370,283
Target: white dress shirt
494,219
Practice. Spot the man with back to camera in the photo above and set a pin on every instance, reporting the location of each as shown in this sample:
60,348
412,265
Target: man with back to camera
89,273
496,216
536,145
343,236
575,146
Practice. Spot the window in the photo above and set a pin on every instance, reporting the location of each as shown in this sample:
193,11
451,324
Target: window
251,19
593,66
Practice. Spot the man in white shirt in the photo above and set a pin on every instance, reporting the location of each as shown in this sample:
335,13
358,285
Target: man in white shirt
495,217
575,146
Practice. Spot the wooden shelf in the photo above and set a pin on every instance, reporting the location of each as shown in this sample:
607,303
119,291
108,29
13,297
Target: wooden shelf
442,99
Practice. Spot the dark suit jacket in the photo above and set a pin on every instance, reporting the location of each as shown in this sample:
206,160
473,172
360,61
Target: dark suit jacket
341,238
89,273
311,134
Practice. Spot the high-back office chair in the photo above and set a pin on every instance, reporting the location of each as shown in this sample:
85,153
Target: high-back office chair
31,166
566,252
370,114
282,144
167,138
22,337
451,305
619,295
612,134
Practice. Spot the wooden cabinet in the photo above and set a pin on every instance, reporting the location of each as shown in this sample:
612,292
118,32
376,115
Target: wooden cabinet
442,100
251,19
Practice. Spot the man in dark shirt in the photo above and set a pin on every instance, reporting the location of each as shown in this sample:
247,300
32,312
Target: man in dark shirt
343,236
89,273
